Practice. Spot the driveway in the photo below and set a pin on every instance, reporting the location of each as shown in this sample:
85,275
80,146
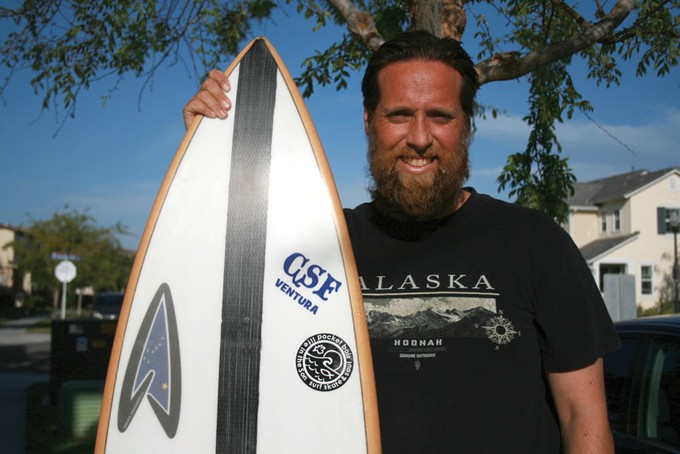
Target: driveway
24,360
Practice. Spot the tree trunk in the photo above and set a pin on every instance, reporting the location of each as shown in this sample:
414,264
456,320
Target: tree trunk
445,18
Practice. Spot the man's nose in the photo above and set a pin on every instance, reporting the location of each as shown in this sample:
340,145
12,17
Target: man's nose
419,135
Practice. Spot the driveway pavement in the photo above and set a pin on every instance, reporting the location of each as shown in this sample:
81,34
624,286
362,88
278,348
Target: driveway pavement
24,360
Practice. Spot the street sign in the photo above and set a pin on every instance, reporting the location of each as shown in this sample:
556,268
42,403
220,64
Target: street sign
65,271
64,256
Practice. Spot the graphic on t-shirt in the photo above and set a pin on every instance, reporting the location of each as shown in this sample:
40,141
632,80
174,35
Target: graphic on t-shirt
437,317
500,330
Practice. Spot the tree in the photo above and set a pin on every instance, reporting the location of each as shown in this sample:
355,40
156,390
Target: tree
103,264
70,44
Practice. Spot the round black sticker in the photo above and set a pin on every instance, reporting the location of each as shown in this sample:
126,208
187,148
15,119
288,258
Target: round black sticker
324,362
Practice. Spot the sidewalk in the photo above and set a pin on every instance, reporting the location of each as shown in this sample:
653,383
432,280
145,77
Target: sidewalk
24,360
13,409
15,332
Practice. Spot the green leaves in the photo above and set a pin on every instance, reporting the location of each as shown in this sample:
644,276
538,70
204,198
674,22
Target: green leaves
653,35
103,263
332,66
73,43
539,177
335,64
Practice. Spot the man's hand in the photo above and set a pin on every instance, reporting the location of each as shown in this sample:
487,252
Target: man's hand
211,100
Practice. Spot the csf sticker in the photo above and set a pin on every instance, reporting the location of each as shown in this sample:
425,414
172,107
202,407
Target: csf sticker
324,362
306,283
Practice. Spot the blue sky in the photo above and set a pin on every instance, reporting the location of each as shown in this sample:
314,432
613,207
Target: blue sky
111,159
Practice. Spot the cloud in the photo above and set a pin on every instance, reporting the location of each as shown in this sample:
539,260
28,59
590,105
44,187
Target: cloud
129,204
595,149
599,150
502,129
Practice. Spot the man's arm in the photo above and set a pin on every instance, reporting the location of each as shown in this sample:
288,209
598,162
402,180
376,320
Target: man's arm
211,100
582,409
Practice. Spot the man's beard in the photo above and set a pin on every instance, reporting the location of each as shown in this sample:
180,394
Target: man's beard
406,197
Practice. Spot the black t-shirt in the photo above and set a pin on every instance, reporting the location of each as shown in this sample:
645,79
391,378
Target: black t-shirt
466,314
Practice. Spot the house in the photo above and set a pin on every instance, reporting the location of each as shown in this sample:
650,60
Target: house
12,286
622,226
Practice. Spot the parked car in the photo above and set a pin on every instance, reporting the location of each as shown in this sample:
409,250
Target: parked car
642,382
106,305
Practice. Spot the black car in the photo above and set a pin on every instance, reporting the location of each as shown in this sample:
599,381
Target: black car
107,305
642,382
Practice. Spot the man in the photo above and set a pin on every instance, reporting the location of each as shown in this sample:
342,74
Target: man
486,326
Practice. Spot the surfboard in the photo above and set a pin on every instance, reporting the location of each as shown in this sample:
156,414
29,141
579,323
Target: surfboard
243,328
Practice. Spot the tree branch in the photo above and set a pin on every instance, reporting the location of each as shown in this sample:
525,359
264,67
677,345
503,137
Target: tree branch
632,30
571,12
507,66
359,23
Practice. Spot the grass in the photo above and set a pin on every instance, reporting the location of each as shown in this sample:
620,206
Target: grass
42,327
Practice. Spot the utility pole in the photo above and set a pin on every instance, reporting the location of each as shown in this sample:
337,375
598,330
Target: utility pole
674,222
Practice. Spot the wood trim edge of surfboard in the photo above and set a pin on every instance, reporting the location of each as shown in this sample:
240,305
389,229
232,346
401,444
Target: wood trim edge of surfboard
114,361
368,389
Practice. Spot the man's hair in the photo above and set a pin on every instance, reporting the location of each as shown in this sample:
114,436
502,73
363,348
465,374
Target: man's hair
420,45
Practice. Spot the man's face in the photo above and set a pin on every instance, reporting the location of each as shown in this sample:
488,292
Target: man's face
418,138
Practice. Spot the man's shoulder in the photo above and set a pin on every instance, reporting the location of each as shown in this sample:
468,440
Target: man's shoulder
495,214
362,211
504,207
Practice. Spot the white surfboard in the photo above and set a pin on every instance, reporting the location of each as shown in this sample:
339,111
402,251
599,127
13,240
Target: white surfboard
243,328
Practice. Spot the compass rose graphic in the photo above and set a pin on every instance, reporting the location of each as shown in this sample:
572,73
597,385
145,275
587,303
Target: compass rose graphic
500,330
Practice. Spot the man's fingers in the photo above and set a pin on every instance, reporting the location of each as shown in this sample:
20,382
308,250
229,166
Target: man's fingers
214,99
211,100
220,78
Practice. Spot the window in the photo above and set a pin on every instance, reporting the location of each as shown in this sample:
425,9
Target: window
663,217
617,220
618,370
603,222
661,393
646,280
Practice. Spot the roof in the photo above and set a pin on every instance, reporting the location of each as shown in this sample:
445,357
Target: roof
614,187
597,248
10,227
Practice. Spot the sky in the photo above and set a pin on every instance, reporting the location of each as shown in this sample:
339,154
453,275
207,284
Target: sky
110,160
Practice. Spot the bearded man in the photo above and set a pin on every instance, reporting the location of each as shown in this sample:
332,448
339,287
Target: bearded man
487,328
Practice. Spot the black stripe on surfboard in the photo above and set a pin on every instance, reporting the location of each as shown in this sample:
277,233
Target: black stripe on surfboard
245,252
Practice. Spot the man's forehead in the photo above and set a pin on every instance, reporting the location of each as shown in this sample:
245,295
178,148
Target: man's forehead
404,69
418,79
418,62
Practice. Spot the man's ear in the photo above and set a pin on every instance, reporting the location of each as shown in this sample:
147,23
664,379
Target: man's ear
366,121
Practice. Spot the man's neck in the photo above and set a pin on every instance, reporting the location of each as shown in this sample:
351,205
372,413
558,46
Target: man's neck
413,228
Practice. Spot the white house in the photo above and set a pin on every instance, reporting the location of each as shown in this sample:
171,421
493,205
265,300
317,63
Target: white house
9,286
621,224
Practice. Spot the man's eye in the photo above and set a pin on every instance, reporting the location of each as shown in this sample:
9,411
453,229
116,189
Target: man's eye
441,117
398,117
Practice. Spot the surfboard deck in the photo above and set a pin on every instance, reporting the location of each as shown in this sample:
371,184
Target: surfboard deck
243,328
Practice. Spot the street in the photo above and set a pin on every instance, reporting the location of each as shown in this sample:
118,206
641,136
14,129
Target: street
24,360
